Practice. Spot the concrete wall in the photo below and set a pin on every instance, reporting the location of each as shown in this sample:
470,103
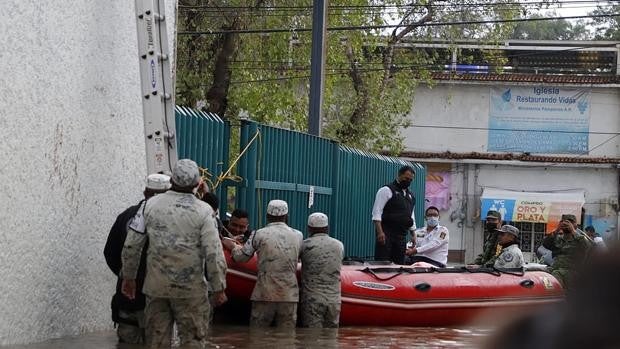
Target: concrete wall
454,106
72,157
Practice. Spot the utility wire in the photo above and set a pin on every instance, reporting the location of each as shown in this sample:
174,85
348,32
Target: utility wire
499,47
490,4
387,26
512,129
343,13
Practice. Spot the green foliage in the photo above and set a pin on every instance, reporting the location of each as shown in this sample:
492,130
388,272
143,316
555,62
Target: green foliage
608,28
559,29
369,80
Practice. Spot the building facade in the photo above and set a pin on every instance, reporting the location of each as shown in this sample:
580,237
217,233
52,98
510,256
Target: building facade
532,145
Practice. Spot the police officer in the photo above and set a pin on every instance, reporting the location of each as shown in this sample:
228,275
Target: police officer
126,313
321,261
276,293
511,255
183,239
430,243
393,217
569,249
491,247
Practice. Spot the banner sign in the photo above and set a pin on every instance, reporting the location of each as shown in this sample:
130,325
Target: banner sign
539,120
438,190
534,207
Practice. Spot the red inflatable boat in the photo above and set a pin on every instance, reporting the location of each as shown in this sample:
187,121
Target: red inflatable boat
392,295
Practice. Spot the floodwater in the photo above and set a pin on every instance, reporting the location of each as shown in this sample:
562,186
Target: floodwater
235,336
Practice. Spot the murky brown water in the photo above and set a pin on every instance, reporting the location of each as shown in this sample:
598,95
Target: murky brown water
229,336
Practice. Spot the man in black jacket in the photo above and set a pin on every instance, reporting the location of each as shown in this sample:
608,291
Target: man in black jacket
393,217
129,314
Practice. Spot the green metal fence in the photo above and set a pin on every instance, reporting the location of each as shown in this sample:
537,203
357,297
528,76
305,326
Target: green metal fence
204,138
315,174
361,174
312,174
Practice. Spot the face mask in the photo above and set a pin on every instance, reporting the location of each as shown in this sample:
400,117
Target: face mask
491,227
432,221
404,184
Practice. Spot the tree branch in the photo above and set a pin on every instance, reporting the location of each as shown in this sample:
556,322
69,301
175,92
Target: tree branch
359,86
217,95
396,37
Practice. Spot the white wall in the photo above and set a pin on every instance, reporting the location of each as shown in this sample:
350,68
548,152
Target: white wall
462,113
461,105
72,157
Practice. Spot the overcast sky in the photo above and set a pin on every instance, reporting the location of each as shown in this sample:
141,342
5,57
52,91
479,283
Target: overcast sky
573,8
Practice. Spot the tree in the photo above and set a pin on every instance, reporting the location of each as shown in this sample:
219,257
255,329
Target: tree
608,27
559,29
370,78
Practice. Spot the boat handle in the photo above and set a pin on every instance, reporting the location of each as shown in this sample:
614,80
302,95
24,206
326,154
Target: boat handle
527,283
423,287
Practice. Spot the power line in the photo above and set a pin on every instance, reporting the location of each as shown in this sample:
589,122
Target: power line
537,53
512,129
349,7
343,13
599,145
214,11
388,26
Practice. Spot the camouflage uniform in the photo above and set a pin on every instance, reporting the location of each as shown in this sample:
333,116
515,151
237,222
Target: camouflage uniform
510,257
490,252
276,292
321,261
182,236
568,255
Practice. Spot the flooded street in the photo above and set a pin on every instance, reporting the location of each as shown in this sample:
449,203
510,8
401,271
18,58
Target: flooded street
232,336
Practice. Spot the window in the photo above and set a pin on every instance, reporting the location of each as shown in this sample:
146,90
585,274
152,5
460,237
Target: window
530,238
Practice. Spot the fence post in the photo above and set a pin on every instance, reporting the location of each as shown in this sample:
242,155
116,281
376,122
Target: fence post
251,167
223,189
242,195
334,209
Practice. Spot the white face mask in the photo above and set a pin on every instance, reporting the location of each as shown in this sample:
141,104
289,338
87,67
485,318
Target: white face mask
432,221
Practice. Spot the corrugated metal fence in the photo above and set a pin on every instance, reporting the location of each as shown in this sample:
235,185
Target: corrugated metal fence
311,173
204,138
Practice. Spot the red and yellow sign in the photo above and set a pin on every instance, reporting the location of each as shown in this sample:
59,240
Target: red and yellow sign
531,211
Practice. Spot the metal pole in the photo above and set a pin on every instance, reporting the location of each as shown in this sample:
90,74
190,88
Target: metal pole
317,66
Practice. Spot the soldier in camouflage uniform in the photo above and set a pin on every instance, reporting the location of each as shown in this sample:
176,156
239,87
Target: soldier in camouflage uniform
276,293
491,248
183,240
511,255
321,261
569,249
129,314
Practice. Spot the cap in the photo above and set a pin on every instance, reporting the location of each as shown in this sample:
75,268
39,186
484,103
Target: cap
318,220
277,208
494,214
510,229
157,181
185,173
569,217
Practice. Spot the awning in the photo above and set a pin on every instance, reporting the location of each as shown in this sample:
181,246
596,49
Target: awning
535,207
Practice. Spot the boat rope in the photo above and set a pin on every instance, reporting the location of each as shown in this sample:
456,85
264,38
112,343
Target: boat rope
226,174
396,271
370,271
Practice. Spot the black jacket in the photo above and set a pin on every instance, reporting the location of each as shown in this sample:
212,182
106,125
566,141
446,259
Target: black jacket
397,211
112,252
